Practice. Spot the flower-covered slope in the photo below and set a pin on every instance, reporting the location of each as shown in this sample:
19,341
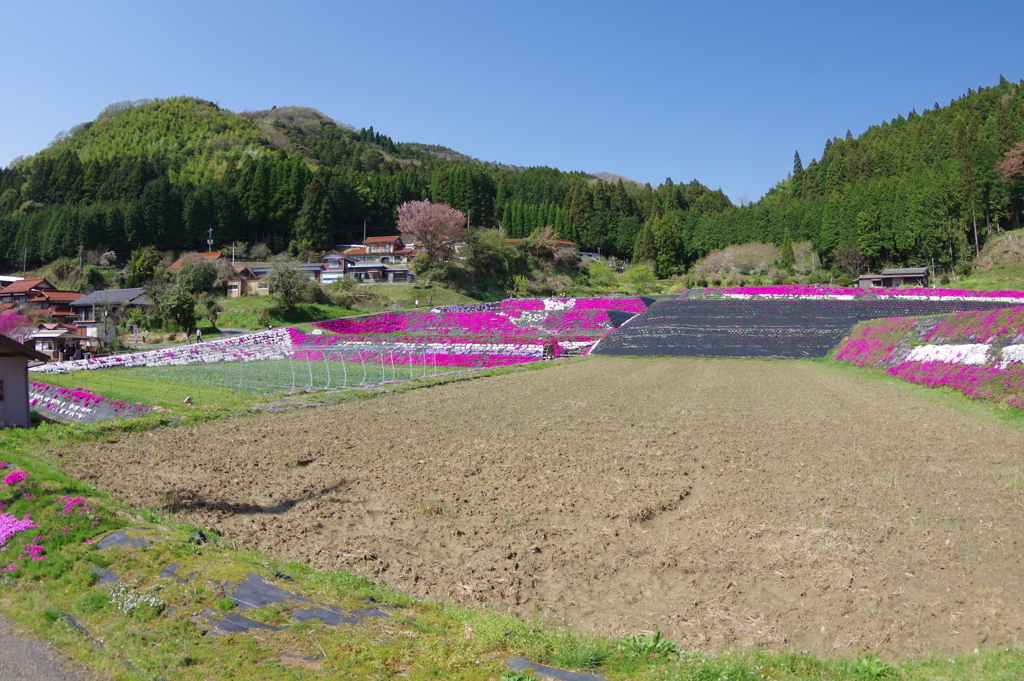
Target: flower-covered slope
271,344
980,353
480,334
79,405
815,292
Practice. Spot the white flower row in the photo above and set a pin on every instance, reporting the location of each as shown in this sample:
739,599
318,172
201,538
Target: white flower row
970,354
884,296
749,296
559,303
1012,354
272,344
48,405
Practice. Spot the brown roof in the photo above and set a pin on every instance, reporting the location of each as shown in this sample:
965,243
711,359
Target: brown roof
209,255
382,239
356,251
26,285
56,296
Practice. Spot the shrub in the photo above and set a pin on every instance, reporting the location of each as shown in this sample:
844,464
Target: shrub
753,258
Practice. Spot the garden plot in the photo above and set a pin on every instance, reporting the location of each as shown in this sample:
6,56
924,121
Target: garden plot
761,326
789,505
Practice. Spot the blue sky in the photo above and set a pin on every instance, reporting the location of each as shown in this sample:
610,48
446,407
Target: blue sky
722,92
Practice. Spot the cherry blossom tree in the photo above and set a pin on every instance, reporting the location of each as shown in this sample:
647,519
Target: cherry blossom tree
435,228
1013,166
14,324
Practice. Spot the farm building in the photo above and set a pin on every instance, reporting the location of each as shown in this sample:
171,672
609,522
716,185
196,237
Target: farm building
61,343
14,359
896,277
246,283
96,312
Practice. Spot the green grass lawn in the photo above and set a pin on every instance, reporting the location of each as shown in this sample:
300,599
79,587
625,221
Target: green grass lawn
252,312
996,279
148,386
408,294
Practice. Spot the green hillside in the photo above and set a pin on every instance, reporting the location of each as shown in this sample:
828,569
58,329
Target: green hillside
163,172
908,190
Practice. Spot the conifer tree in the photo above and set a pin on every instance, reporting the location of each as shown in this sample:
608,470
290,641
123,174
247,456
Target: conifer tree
787,259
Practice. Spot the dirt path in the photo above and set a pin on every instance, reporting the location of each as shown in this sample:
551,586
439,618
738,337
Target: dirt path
29,659
787,504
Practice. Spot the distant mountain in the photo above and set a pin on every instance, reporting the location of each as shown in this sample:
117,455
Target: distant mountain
163,172
613,178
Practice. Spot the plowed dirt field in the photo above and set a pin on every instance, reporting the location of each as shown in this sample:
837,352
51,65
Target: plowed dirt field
793,505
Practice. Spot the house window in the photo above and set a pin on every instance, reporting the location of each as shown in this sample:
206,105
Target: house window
262,286
232,287
1,390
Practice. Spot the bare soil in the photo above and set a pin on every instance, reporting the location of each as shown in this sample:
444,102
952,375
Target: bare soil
785,504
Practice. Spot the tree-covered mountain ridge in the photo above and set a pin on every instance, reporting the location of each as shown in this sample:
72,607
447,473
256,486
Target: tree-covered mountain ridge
163,172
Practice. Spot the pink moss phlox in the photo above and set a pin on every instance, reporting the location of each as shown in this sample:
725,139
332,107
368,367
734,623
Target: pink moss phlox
974,381
514,307
15,477
875,343
800,290
10,526
634,305
982,326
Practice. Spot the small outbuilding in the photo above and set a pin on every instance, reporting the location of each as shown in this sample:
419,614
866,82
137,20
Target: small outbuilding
14,359
895,277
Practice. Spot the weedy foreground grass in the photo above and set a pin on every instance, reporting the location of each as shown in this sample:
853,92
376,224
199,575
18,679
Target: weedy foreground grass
146,627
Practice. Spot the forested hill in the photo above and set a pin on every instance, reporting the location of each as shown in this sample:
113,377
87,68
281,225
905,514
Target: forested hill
908,190
162,172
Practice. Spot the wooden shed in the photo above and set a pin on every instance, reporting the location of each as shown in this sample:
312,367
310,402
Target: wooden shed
14,359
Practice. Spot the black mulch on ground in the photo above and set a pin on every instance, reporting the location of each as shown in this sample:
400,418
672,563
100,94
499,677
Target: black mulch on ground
787,328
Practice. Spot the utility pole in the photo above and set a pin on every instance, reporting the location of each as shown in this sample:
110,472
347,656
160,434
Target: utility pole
364,231
24,259
232,253
209,240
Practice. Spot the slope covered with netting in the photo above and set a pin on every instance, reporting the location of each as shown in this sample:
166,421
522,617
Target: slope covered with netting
761,326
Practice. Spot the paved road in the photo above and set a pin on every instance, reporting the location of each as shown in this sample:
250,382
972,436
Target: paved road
29,659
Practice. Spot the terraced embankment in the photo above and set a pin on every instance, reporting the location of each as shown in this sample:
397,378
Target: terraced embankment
759,327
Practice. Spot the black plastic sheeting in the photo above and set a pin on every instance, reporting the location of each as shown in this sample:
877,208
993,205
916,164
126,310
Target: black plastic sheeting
786,328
